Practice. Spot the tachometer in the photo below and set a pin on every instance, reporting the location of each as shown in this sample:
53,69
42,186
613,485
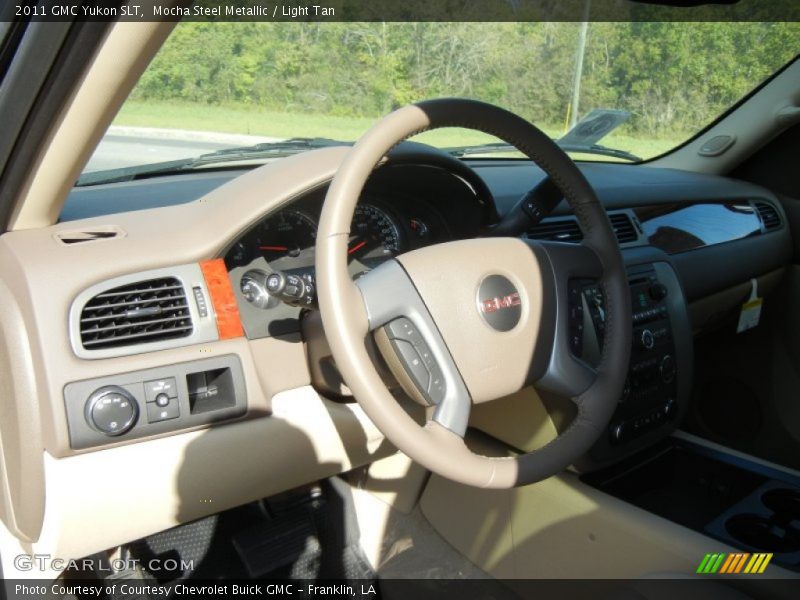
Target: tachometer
373,235
288,234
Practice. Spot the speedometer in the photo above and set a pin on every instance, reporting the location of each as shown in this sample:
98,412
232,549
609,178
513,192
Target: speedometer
288,234
374,235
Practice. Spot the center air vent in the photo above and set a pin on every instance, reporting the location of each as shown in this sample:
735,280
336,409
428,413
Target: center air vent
769,215
567,230
561,230
137,313
623,228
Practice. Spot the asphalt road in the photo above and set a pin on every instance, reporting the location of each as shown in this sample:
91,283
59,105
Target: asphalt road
129,146
116,151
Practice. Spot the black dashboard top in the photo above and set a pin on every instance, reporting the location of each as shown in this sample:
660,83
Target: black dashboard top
617,185
652,196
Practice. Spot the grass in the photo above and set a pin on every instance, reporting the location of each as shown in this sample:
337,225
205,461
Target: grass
270,123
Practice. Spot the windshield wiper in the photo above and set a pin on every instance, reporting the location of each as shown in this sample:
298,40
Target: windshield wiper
499,147
581,138
263,150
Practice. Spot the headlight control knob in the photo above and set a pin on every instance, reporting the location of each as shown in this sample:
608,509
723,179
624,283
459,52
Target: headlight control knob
293,289
112,410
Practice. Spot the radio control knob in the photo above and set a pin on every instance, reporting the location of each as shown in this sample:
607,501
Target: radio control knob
648,340
112,410
667,369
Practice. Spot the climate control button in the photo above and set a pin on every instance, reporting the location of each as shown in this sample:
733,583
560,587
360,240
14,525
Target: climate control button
112,410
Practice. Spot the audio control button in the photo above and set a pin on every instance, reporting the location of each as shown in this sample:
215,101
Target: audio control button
648,340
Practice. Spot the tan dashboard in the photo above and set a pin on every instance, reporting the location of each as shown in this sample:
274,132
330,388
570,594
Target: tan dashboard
284,434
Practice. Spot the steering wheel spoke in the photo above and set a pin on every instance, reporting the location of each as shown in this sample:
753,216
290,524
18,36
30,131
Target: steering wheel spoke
413,345
566,374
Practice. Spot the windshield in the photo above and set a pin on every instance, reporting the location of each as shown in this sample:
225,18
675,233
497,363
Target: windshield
215,86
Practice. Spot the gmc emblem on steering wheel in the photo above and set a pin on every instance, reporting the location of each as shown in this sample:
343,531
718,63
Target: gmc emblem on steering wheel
499,303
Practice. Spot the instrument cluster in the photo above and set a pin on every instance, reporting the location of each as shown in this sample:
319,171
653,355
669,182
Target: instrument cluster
274,261
286,239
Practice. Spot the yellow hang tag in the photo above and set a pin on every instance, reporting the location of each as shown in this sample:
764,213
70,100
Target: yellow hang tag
751,310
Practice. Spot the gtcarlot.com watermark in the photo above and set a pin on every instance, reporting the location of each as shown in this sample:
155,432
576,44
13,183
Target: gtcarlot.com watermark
47,562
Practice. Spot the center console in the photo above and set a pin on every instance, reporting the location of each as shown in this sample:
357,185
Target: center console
657,386
745,503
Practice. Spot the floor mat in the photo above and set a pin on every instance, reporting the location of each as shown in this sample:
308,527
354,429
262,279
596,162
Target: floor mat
305,537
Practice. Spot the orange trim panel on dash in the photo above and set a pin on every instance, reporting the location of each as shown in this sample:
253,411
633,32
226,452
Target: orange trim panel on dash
229,324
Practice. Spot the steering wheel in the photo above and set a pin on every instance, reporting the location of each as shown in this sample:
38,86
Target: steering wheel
474,320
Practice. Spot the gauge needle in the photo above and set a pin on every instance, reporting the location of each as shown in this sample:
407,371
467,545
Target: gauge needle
274,248
357,247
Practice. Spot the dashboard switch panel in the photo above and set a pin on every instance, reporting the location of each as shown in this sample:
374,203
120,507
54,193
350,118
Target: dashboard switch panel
154,401
160,387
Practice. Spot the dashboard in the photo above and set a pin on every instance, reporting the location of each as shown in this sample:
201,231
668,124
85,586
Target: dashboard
678,232
403,207
150,253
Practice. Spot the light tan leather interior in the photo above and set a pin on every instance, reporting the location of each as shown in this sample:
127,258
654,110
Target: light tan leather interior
300,424
40,363
448,277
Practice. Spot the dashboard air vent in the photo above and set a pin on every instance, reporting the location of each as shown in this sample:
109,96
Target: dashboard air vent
769,215
561,230
137,313
567,230
623,228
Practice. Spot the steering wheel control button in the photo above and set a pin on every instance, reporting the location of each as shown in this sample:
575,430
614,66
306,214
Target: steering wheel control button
575,318
160,387
404,329
112,410
417,359
157,412
412,362
499,303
